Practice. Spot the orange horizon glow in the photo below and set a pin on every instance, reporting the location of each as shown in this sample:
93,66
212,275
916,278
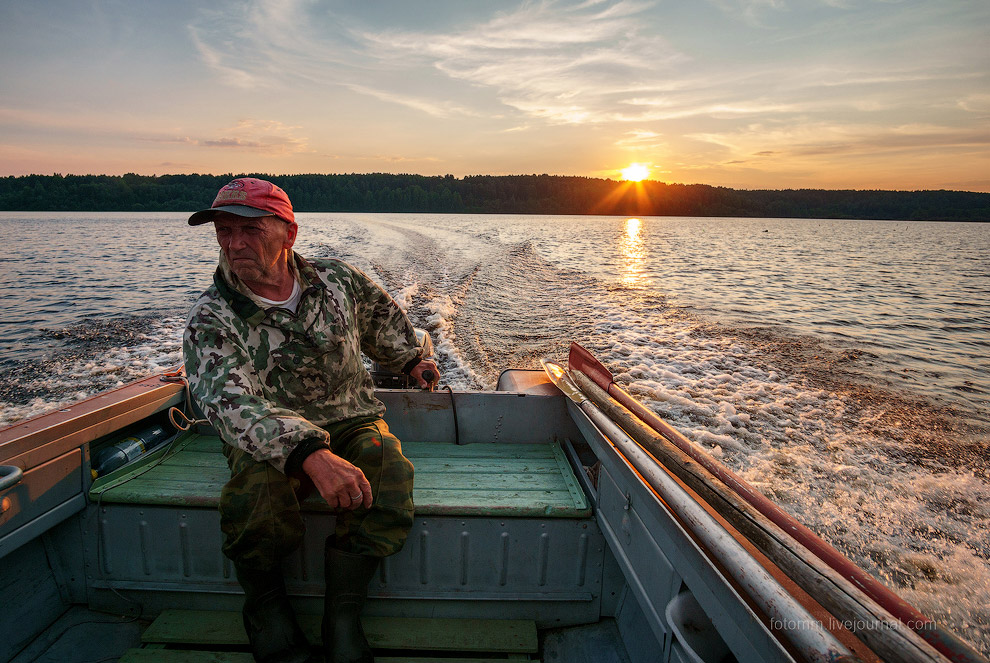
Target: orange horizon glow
636,172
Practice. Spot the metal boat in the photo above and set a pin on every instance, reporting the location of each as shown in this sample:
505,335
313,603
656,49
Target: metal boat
544,531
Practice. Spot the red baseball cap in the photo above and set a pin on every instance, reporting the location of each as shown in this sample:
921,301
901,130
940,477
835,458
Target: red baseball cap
248,196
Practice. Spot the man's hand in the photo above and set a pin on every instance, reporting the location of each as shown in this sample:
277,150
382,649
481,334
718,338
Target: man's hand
341,484
417,373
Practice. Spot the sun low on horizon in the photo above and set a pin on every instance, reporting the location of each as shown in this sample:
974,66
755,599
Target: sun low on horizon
636,172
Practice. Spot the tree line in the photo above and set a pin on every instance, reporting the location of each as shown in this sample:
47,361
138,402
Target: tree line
487,194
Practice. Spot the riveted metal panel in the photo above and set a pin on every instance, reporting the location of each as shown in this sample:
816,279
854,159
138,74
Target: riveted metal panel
153,548
154,545
486,557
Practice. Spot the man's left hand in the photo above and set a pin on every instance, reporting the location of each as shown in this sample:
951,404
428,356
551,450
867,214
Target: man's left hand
417,373
340,483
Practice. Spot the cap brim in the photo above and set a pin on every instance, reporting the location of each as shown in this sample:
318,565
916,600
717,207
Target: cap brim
206,215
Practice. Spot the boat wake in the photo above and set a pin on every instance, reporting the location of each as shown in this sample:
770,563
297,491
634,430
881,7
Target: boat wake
89,357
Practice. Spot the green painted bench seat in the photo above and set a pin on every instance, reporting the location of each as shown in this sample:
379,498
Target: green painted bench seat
196,633
484,479
214,627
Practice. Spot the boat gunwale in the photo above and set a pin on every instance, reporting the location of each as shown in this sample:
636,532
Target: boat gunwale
32,441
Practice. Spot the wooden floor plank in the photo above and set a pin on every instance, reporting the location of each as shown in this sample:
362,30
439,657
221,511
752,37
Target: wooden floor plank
443,659
207,443
474,481
213,460
485,466
434,478
523,480
203,656
481,635
479,450
208,627
185,656
196,627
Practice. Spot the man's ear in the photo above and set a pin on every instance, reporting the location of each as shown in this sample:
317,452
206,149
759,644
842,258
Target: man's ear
290,236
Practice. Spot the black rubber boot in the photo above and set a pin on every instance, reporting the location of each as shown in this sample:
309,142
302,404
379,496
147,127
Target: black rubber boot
348,576
269,620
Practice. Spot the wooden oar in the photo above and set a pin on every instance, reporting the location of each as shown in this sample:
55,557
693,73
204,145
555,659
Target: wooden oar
860,614
813,642
948,643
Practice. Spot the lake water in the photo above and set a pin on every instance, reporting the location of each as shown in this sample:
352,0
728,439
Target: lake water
840,366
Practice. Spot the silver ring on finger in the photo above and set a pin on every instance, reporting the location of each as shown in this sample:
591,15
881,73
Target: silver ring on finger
355,498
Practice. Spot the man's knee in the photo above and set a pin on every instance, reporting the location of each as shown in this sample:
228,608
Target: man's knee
259,513
395,483
381,530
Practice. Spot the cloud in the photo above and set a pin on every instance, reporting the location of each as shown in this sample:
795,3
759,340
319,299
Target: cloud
403,159
823,139
264,136
975,103
270,43
441,109
752,12
550,60
235,75
740,94
641,139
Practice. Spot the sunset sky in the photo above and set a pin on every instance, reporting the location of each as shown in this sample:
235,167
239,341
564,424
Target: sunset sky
740,93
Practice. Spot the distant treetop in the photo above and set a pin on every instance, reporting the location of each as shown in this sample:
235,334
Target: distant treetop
486,194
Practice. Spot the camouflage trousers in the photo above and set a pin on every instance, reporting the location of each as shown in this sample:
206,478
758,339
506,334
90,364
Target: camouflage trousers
259,506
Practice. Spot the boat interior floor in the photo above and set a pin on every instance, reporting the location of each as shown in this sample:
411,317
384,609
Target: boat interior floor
103,636
504,562
217,637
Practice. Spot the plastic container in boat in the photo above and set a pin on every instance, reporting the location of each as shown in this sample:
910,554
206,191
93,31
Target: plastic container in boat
110,458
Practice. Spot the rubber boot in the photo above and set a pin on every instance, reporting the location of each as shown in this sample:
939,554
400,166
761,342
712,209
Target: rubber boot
269,620
348,576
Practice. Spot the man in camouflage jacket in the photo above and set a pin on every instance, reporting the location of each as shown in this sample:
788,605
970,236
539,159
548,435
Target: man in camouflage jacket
273,356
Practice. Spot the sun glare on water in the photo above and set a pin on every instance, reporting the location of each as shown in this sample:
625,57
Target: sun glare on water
636,172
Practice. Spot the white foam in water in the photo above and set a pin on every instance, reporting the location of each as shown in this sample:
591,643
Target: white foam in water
440,323
405,296
922,529
114,368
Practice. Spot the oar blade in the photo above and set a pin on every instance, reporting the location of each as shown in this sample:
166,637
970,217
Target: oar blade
580,359
558,375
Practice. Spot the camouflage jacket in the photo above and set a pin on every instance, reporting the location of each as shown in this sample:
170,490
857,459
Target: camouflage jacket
268,380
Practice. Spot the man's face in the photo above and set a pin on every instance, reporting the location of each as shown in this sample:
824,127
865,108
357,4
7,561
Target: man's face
253,246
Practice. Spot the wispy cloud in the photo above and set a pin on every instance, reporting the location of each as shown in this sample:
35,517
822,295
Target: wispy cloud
975,103
268,137
264,136
640,140
549,60
442,108
824,139
752,12
267,43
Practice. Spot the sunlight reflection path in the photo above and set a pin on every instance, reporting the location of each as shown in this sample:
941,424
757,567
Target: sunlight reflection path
633,252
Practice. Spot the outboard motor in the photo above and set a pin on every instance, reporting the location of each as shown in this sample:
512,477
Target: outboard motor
387,380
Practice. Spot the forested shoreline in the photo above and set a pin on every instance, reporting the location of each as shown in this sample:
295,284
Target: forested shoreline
488,194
